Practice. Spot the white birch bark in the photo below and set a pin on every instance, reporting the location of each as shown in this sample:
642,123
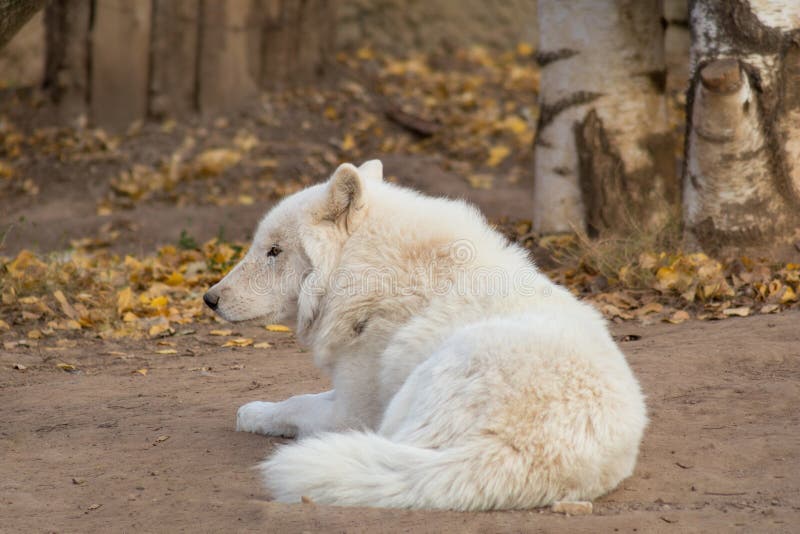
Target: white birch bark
603,152
742,169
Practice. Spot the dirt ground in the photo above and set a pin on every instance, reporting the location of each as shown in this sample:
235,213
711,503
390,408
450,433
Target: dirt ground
105,449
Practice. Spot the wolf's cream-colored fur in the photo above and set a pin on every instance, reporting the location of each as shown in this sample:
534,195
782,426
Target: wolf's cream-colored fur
463,378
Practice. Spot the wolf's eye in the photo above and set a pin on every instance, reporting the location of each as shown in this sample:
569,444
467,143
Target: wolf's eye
274,251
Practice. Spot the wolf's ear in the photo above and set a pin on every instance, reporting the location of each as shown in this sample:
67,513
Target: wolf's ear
345,202
372,170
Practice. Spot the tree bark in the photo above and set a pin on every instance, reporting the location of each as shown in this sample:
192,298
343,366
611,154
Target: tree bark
117,61
742,167
298,40
173,58
67,56
14,14
229,41
604,153
120,51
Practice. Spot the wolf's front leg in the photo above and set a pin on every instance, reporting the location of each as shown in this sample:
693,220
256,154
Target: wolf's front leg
297,416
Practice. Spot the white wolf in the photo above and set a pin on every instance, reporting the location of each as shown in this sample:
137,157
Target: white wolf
463,379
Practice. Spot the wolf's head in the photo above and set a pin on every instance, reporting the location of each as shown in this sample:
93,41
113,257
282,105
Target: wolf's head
296,247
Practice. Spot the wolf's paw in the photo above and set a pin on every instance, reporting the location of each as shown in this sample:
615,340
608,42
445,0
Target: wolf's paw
263,418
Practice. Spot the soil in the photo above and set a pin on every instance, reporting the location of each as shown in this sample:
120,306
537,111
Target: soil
106,449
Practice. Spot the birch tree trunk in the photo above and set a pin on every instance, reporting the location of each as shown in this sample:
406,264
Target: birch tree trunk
604,153
742,169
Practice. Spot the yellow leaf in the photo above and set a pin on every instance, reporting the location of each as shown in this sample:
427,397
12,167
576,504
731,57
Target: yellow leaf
769,308
278,328
130,317
524,49
142,371
246,200
262,345
516,125
66,307
125,300
217,160
365,53
480,181
788,296
4,325
348,143
497,154
166,351
68,367
35,334
238,342
742,311
221,332
678,317
651,307
160,329
174,279
331,113
159,303
25,262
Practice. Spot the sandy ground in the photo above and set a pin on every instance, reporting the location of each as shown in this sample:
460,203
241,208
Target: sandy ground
106,449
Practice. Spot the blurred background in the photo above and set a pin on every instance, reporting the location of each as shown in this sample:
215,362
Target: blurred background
128,125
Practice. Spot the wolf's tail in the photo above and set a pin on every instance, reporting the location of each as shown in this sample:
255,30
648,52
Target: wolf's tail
365,469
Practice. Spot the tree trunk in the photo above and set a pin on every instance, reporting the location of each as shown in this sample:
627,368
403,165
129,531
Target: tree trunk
120,44
604,153
117,61
229,38
742,170
298,40
66,74
14,14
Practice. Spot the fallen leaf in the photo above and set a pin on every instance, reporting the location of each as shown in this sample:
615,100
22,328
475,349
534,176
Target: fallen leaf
480,181
174,279
220,332
216,161
68,367
166,351
142,371
788,296
769,308
125,300
66,307
161,330
4,325
678,317
35,334
348,143
497,154
94,506
161,439
262,345
572,507
278,328
524,49
742,311
238,342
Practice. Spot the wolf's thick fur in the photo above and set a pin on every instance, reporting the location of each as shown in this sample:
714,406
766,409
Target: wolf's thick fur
463,378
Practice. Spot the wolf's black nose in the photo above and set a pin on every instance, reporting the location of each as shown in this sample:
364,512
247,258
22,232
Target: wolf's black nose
211,300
